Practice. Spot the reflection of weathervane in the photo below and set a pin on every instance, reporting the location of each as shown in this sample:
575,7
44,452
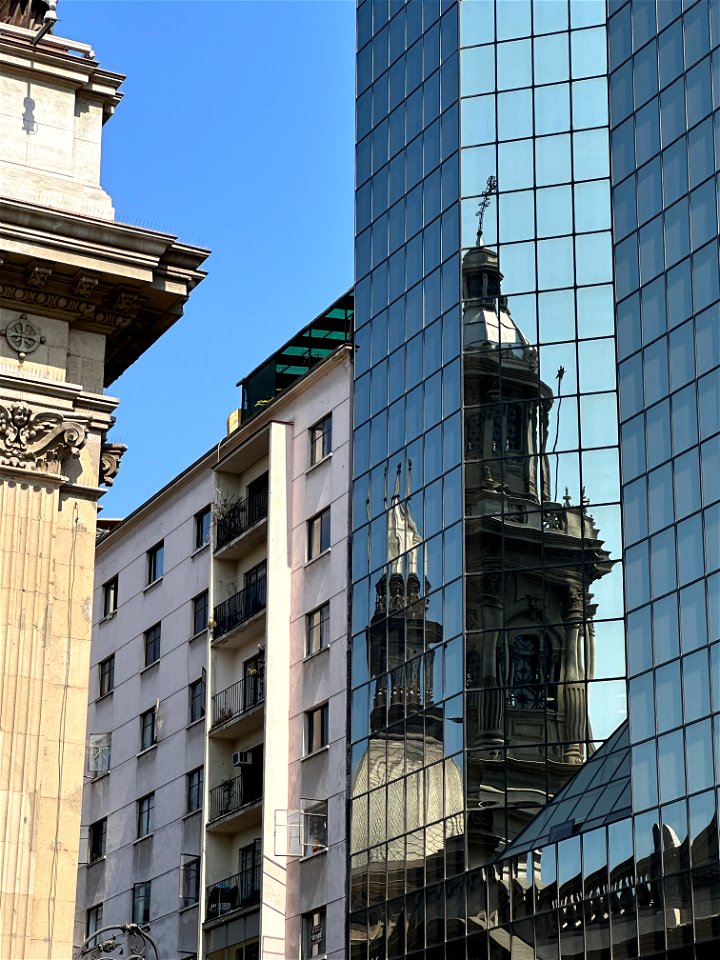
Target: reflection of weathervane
483,204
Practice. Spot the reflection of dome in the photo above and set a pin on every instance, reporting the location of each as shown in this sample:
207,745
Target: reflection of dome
484,327
487,323
430,796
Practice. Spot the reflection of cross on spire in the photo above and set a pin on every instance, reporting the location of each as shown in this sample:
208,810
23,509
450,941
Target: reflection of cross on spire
483,204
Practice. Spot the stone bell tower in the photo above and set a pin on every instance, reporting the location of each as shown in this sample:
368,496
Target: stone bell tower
81,298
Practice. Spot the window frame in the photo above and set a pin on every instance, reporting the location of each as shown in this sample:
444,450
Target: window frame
148,729
152,644
102,743
110,597
142,893
320,440
196,694
93,919
311,919
97,838
317,729
202,600
318,534
319,629
195,781
203,524
155,562
191,875
106,676
146,815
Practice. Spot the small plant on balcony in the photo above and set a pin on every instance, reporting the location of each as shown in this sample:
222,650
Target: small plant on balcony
227,786
223,715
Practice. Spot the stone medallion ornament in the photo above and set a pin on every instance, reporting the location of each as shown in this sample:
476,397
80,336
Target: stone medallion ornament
22,336
37,440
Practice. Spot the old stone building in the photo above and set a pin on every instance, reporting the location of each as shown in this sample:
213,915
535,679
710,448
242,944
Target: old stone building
81,298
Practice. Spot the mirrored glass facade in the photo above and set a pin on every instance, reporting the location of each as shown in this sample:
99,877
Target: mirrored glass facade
596,875
488,642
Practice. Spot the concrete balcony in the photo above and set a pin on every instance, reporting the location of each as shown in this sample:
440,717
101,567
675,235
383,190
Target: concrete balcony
237,703
240,610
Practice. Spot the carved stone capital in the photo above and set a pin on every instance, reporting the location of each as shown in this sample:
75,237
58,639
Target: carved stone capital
38,440
110,457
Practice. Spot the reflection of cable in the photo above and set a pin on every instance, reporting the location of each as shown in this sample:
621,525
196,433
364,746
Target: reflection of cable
558,376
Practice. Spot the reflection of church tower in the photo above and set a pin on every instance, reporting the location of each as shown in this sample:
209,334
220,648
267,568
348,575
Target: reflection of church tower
405,748
399,631
529,565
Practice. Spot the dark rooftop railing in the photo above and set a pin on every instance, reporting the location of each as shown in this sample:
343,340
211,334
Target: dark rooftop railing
305,350
240,517
240,607
235,892
236,699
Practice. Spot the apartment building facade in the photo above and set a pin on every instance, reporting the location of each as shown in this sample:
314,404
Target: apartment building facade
275,820
143,793
214,800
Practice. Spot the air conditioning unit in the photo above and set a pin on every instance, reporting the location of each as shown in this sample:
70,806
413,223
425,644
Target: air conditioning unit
241,758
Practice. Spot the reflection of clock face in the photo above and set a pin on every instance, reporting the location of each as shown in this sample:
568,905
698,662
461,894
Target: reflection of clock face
527,676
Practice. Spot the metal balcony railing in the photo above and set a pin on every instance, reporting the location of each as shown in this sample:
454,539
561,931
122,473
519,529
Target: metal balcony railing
240,607
236,699
240,517
240,890
232,795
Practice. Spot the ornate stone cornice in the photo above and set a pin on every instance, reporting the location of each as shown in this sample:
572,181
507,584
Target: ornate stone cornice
33,441
110,457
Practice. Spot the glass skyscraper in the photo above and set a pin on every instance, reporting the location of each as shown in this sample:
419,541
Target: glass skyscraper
536,221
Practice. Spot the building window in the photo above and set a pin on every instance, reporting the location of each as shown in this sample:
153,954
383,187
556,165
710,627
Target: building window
200,612
320,439
202,527
152,645
141,902
195,790
191,881
93,919
110,597
106,671
98,749
97,839
250,863
145,815
197,700
317,624
248,951
319,534
313,943
313,832
155,561
148,729
316,729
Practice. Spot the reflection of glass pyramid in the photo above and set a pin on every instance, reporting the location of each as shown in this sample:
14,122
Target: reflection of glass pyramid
599,794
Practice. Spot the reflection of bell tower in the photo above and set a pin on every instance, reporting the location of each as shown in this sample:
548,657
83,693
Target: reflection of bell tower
399,631
529,565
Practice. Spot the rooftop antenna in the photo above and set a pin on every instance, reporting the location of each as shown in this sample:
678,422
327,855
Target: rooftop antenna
483,204
49,21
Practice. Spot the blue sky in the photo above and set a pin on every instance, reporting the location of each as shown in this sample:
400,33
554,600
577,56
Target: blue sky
236,133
